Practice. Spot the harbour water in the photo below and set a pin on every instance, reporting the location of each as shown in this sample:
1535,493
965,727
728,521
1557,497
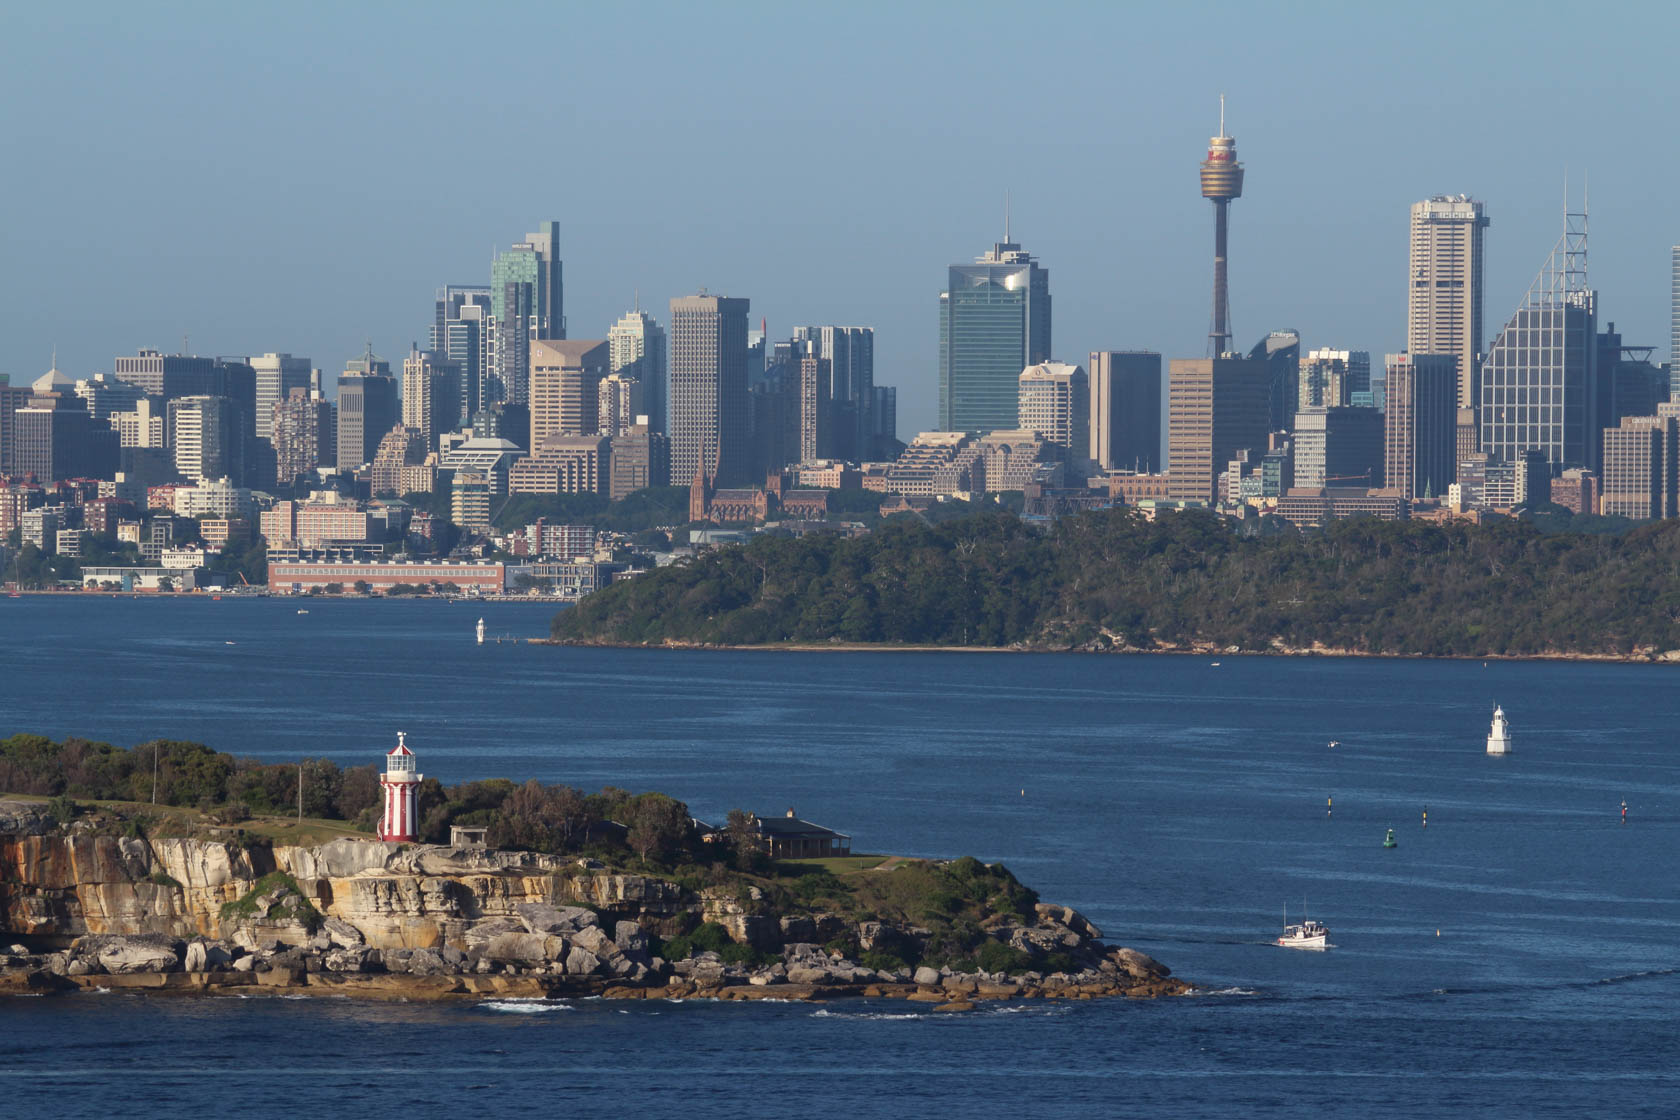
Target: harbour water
1517,957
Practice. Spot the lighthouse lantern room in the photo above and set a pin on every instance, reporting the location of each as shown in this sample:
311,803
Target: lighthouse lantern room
401,786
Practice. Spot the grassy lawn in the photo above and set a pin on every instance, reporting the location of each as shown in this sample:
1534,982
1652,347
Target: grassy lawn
835,865
172,820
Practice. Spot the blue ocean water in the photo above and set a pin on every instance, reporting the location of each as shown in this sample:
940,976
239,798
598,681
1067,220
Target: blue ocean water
1516,958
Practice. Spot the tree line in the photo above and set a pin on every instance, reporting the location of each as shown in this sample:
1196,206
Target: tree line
1113,579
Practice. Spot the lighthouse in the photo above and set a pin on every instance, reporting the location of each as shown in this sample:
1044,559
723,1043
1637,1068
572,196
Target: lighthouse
401,786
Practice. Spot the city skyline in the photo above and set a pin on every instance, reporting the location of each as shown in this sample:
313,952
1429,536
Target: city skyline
1317,246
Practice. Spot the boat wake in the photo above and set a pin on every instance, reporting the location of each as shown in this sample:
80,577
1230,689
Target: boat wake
535,1006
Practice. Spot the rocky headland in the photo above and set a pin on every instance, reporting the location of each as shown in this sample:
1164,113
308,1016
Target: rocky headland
81,908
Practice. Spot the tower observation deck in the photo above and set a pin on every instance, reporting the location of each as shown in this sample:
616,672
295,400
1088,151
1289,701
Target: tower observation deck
1222,180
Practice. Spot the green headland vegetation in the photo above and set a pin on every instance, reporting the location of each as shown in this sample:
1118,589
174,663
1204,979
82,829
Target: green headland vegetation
1114,580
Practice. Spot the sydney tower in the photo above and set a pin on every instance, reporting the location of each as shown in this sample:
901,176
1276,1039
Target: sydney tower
1222,179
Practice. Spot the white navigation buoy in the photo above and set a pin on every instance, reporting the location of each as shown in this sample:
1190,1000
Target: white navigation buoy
481,631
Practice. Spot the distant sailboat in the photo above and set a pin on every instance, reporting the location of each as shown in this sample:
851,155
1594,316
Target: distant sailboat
1499,735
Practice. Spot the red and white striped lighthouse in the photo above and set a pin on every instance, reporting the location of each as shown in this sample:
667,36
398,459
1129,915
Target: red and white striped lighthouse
401,787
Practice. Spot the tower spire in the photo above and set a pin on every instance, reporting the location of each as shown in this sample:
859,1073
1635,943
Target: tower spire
1222,114
1222,180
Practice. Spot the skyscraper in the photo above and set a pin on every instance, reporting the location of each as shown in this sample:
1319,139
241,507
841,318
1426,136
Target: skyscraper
1338,446
565,383
1539,382
708,404
367,409
1216,407
1055,402
431,395
1281,351
276,376
1331,378
994,321
527,303
1222,180
849,354
637,342
460,331
618,403
303,435
1420,420
1444,292
205,435
1126,410
1674,324
172,375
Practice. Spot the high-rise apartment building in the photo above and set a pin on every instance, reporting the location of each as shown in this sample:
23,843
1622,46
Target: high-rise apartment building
1055,402
1420,424
368,407
1126,410
431,395
1444,289
994,321
1215,408
304,439
816,435
637,342
527,302
276,376
708,403
565,384
206,436
618,402
1539,381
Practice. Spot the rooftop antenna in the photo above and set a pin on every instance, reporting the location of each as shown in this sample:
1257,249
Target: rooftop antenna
638,297
1006,216
184,347
1222,114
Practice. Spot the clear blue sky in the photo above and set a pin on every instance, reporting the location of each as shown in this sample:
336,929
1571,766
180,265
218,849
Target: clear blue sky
300,177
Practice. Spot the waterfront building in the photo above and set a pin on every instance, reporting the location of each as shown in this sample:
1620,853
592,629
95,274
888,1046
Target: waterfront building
217,497
1539,382
565,387
708,402
1338,447
1055,401
368,407
296,577
276,376
994,321
1444,289
1420,424
325,520
1215,408
637,345
527,303
431,395
564,541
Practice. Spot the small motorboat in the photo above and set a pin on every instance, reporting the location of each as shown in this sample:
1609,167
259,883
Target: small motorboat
1307,935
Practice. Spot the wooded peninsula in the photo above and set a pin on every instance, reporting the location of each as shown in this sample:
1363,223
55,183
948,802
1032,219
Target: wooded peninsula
1115,581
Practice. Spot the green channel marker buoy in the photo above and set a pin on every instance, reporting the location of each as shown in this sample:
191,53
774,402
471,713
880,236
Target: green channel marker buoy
1389,841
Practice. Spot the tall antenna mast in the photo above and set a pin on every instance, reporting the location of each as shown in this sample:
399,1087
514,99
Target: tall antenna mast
1006,216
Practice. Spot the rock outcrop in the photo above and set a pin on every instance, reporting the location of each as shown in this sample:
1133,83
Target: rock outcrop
426,921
